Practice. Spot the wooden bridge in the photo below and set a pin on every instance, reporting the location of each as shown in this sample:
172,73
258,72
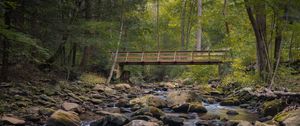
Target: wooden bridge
172,57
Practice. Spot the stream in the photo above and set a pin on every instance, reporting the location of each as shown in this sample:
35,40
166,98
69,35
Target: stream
192,118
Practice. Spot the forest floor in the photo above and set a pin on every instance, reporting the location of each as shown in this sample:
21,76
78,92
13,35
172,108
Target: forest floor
91,103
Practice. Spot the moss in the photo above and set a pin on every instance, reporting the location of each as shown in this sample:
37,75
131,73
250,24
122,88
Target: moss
272,107
91,78
281,116
231,101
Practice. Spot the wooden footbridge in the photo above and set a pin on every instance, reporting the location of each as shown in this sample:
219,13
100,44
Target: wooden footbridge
172,57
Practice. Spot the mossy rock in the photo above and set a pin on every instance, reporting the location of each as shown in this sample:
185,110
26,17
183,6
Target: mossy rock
281,116
151,111
231,101
272,107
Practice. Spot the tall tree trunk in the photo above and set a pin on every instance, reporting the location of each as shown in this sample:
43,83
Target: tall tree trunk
225,14
65,34
259,27
183,24
117,51
74,50
5,48
189,24
199,32
157,24
290,47
86,50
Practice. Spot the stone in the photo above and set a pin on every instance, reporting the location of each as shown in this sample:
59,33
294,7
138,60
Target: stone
151,111
182,97
99,87
232,112
190,107
12,120
264,119
272,107
244,105
210,117
63,118
111,119
47,98
173,121
113,109
197,107
46,111
289,118
149,100
231,101
70,106
122,86
141,123
257,123
96,101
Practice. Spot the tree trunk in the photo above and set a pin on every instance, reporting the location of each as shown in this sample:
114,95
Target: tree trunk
199,32
290,47
189,24
157,24
183,24
117,51
5,48
225,14
259,27
74,50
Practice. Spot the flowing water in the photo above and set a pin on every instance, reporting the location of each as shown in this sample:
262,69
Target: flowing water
212,109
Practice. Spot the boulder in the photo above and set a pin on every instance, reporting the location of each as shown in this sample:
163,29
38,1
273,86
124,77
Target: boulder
232,112
151,111
190,107
149,100
182,97
231,101
111,119
63,118
99,87
122,86
272,107
173,121
46,111
96,101
288,118
141,123
11,120
68,106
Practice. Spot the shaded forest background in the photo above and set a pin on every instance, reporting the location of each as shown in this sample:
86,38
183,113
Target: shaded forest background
70,37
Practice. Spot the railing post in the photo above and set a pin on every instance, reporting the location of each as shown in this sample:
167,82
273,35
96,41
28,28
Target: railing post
158,55
142,58
208,55
192,56
174,56
126,56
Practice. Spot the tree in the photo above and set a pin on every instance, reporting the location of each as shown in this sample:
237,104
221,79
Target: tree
199,32
183,24
257,16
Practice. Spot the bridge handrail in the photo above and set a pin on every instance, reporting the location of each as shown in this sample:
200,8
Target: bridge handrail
171,56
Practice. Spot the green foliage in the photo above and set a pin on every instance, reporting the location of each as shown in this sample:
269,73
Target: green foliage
91,78
24,46
239,75
201,74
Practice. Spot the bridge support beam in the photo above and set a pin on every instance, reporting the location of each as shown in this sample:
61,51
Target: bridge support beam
118,71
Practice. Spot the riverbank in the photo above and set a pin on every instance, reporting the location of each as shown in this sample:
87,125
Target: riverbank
166,103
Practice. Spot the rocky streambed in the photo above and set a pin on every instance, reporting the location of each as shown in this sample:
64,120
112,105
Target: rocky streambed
154,104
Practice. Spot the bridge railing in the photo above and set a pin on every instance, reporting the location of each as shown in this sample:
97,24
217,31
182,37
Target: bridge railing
172,56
